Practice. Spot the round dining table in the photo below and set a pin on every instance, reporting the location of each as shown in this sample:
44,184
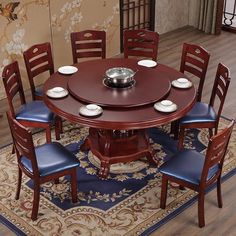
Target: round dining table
119,133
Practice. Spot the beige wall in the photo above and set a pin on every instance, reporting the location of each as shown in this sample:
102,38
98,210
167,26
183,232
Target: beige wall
171,14
52,21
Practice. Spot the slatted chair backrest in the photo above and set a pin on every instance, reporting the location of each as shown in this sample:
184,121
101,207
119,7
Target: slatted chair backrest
88,43
195,60
220,88
216,152
38,59
13,84
141,43
23,143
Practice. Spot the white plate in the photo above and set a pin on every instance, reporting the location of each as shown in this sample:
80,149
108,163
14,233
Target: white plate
57,92
177,84
147,63
90,110
67,70
170,108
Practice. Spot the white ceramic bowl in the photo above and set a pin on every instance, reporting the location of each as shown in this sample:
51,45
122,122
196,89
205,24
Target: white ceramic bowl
92,107
166,103
182,80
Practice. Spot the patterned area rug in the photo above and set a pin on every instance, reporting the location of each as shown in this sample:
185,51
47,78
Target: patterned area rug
127,203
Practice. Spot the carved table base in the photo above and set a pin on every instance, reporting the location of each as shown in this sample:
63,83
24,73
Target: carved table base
114,146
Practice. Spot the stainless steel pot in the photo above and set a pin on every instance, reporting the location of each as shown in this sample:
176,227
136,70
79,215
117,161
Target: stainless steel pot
120,75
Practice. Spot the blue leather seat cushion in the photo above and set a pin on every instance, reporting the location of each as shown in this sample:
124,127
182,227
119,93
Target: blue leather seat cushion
201,112
51,158
39,91
35,111
187,165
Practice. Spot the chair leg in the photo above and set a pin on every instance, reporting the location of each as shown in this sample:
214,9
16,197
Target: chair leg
174,129
58,127
35,201
74,186
18,184
13,150
219,195
210,132
181,138
48,134
201,217
216,129
164,186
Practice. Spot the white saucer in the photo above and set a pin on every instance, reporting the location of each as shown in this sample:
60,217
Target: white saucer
67,70
57,92
159,106
90,110
177,84
147,63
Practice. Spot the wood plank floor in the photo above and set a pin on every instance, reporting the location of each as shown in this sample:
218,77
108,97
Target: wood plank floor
222,49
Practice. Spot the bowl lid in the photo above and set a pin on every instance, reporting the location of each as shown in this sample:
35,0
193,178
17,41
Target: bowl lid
120,73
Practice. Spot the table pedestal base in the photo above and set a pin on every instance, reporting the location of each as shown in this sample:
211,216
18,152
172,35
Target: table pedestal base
113,146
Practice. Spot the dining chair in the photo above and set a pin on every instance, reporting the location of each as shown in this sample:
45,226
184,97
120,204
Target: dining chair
42,163
30,114
38,59
141,43
194,60
204,115
88,43
193,170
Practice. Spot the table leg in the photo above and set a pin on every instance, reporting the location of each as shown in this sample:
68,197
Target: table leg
117,147
104,169
85,146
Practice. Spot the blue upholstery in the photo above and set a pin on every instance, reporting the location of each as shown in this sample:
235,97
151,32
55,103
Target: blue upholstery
187,165
35,111
51,158
201,112
39,91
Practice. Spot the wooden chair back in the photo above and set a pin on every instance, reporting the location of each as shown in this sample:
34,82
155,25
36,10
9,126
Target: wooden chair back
23,143
195,60
141,43
38,59
88,43
13,84
216,152
220,88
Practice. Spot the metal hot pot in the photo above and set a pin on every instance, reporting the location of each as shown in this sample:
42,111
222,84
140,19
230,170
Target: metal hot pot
120,76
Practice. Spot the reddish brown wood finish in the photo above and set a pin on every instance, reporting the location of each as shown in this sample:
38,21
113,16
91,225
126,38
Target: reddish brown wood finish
113,146
13,86
80,85
88,43
38,59
219,90
195,60
214,156
119,118
24,146
141,43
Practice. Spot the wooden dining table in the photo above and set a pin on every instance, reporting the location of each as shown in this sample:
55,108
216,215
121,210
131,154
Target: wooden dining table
119,133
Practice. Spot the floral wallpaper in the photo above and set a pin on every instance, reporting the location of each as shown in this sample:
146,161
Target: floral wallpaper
27,22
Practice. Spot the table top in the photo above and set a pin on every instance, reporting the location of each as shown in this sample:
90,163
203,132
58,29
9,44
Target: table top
90,86
130,108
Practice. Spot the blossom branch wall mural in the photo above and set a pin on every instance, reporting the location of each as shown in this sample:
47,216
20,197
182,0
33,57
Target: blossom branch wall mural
27,22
